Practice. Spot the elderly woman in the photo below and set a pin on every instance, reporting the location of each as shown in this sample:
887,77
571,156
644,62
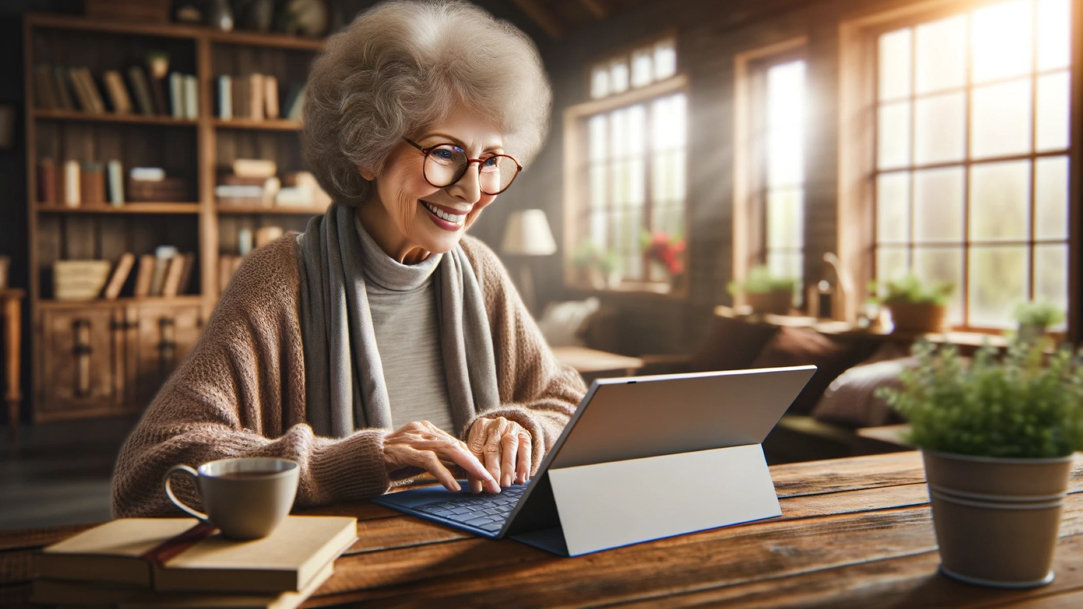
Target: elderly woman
381,343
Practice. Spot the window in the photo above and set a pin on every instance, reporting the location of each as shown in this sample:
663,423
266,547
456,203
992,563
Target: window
769,211
625,174
970,175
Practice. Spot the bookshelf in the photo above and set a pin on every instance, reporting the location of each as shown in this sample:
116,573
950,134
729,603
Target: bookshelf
102,356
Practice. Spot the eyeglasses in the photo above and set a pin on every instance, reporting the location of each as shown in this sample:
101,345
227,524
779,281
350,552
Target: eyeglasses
446,164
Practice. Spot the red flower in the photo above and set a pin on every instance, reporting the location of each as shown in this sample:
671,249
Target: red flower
670,253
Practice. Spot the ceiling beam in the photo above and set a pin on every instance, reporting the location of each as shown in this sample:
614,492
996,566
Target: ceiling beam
541,15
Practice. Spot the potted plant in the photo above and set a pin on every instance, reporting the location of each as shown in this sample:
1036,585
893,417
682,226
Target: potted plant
914,306
1035,317
764,291
997,436
596,267
665,254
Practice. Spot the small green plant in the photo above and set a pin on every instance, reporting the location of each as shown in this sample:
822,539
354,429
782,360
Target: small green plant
761,280
589,256
1024,403
1038,313
910,289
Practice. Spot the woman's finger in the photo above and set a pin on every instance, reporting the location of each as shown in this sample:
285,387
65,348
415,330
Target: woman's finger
459,455
525,458
509,449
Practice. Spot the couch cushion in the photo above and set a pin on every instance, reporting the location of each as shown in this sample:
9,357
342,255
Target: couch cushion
731,344
561,322
800,346
851,398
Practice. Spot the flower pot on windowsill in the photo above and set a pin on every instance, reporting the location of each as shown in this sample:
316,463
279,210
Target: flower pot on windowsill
996,520
916,317
777,302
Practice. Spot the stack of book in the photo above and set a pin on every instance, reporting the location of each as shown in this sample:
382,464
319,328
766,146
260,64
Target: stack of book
175,562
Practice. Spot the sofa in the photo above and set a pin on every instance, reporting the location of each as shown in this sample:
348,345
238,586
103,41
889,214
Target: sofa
826,418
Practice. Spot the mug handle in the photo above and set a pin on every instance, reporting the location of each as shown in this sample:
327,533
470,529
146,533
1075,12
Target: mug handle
177,502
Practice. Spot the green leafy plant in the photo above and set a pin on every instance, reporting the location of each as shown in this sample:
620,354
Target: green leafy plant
589,256
761,280
1024,403
1038,313
910,289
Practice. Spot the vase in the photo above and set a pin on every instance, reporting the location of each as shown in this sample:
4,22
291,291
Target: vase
918,317
777,302
996,520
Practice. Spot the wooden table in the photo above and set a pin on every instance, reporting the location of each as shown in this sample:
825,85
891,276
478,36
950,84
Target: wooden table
592,363
11,314
853,533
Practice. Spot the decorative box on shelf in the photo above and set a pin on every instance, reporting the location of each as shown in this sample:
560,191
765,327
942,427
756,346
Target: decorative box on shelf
164,189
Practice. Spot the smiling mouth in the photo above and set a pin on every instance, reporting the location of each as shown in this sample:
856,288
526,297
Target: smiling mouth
456,219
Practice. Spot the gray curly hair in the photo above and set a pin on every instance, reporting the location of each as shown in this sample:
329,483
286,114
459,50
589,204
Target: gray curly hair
404,65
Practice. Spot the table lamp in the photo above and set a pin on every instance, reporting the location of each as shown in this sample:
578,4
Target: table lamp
527,234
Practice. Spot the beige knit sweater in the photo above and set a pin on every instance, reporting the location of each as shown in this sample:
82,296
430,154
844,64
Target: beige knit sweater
241,391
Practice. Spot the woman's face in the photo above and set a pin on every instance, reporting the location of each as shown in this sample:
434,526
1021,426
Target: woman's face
411,219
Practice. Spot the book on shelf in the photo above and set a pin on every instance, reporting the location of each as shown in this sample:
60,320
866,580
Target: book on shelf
171,285
294,105
63,88
176,95
255,96
92,97
119,99
158,96
191,97
114,181
163,256
46,177
72,190
119,277
184,285
75,593
84,103
270,96
143,275
45,94
225,97
91,183
238,90
146,552
144,103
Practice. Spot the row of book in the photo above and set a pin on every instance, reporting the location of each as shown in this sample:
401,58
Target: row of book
135,91
165,273
172,562
257,96
75,184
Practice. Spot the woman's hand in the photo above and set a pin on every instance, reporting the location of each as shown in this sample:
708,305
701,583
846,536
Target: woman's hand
505,449
425,446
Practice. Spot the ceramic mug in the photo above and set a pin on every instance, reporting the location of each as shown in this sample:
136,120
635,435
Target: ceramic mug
245,497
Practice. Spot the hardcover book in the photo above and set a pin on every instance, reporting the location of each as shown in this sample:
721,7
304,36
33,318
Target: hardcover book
175,555
77,593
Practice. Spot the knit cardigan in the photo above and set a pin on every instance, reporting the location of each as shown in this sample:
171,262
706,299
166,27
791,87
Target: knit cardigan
241,391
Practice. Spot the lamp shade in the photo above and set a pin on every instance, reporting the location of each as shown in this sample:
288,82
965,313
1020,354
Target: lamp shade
528,234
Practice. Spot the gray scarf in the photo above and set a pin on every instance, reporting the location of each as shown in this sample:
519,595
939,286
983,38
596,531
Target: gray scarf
344,381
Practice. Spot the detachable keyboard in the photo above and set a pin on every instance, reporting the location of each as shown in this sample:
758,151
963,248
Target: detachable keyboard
485,511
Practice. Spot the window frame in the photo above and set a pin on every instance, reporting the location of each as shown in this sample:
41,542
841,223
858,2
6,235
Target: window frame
749,168
857,136
576,183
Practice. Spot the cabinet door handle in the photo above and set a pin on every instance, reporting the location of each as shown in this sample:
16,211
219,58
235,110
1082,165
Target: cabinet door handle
81,352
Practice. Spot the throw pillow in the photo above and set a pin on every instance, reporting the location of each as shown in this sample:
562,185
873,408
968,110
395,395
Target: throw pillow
561,322
731,344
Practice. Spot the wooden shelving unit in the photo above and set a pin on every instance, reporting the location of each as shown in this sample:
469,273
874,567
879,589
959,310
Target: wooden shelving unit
105,357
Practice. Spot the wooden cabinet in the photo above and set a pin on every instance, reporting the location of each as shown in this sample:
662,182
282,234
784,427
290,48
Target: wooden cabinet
109,359
103,357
